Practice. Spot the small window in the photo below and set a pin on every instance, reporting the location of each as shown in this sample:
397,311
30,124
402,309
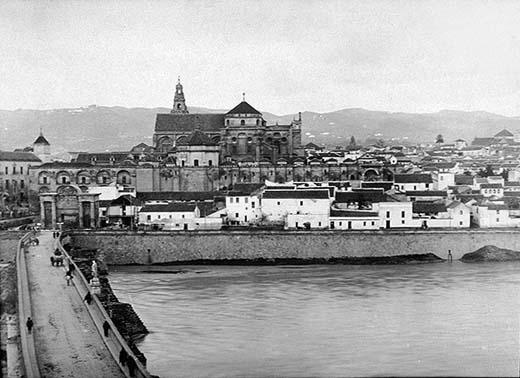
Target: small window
21,170
460,223
498,220
301,203
373,223
45,179
148,217
246,200
319,224
242,122
402,222
196,162
227,122
252,204
183,216
238,199
237,215
402,214
388,214
230,199
6,170
14,170
183,163
170,216
7,184
278,203
461,212
22,184
210,163
364,224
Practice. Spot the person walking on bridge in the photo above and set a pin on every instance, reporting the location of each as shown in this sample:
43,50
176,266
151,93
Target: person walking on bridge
29,324
106,328
68,277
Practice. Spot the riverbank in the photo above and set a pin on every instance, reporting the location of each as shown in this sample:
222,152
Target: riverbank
142,248
8,298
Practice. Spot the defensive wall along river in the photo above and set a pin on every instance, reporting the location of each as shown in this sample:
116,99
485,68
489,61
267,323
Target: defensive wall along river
123,247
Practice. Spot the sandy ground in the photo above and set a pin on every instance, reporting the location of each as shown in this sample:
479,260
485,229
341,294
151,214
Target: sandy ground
67,342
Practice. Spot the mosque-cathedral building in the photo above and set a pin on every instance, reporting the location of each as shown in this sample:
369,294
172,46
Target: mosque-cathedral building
199,152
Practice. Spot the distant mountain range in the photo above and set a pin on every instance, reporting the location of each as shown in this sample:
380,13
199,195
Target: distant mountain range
100,128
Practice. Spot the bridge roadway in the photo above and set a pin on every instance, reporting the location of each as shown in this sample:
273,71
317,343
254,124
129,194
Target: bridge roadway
66,340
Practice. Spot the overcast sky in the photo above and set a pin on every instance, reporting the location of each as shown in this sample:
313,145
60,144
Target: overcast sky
410,56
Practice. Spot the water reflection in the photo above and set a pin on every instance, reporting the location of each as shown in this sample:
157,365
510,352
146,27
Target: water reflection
438,319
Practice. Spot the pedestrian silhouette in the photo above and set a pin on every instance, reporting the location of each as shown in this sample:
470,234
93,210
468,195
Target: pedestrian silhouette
123,356
29,324
106,328
88,298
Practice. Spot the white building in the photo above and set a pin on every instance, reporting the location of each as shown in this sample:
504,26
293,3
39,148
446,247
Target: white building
353,220
414,181
395,214
492,190
493,215
243,204
312,206
178,216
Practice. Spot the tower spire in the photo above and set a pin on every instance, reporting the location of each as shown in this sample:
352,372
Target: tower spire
243,96
179,102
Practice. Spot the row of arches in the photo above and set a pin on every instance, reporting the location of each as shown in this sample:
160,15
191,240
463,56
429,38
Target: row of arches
102,177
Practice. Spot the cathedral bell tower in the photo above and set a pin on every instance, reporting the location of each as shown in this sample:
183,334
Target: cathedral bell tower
179,103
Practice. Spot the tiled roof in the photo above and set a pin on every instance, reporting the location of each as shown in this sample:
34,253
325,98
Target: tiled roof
18,156
169,208
426,193
297,194
491,186
244,108
428,207
463,180
454,204
246,188
385,185
102,157
413,178
361,195
512,183
197,138
504,133
188,122
41,140
177,196
482,141
352,213
496,206
57,164
125,199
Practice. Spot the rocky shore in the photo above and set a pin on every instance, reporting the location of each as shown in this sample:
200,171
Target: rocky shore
491,253
122,314
425,258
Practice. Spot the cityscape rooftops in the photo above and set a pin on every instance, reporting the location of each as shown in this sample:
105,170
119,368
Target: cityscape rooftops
413,178
297,194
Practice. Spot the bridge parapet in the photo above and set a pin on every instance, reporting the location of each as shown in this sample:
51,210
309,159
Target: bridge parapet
25,310
115,341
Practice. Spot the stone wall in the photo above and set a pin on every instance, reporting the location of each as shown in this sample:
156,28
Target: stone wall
132,247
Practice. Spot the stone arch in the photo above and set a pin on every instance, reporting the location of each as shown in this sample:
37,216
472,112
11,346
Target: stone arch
62,177
371,174
83,177
83,188
103,177
44,177
123,177
165,144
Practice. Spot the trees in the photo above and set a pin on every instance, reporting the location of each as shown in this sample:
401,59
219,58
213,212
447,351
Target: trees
439,139
352,141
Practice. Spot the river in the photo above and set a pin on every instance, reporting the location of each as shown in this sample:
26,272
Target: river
327,320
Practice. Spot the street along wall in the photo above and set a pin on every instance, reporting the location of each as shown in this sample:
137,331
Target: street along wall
163,247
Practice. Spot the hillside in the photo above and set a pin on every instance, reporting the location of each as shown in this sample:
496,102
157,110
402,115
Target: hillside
99,128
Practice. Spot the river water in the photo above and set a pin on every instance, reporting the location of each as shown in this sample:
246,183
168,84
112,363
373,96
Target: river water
327,320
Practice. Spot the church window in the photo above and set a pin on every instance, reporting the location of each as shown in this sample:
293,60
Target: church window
242,122
21,170
64,180
210,163
14,170
196,162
